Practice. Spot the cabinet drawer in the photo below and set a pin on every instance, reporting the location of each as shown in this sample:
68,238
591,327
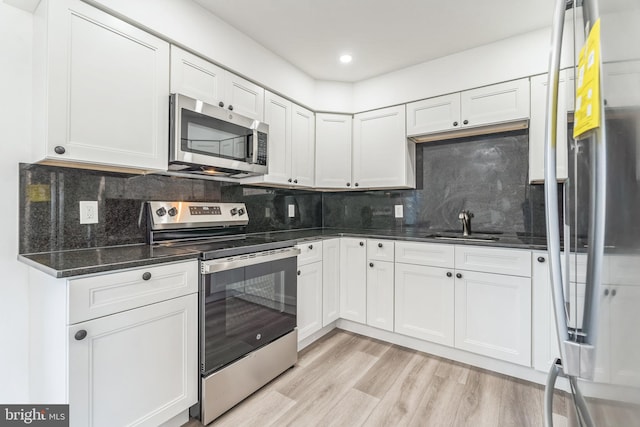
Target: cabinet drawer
97,296
380,250
309,252
494,260
433,254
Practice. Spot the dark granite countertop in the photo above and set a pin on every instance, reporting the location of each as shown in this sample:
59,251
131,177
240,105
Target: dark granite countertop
96,260
88,261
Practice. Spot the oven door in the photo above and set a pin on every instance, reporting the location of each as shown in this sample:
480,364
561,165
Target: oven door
246,303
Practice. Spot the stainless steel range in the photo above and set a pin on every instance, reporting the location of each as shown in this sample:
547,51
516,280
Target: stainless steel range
248,294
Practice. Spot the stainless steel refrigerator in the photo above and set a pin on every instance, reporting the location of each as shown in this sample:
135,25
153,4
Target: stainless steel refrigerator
595,214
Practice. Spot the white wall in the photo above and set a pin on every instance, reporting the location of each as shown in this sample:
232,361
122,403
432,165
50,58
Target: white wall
15,123
508,59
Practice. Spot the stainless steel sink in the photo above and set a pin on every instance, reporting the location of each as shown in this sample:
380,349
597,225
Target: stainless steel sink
490,236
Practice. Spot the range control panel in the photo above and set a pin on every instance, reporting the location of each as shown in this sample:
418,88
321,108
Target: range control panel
196,214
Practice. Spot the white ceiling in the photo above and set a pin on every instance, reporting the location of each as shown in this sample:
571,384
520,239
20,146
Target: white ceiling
382,35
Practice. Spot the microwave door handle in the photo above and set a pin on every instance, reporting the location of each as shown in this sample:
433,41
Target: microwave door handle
254,152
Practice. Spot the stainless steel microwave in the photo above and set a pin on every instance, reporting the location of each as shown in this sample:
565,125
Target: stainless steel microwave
210,140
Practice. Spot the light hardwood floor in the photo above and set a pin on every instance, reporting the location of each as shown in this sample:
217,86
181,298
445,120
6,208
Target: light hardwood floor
345,379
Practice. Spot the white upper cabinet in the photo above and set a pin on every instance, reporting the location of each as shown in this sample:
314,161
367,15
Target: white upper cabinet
303,138
431,115
333,150
200,79
499,103
537,127
103,84
382,155
291,146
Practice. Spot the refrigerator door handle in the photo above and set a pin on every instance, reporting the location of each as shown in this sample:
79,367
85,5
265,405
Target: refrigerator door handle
550,183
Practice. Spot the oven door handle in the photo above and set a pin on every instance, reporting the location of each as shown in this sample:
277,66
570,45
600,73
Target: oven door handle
213,266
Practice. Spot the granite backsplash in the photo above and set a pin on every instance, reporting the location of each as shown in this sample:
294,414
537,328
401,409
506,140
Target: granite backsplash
486,175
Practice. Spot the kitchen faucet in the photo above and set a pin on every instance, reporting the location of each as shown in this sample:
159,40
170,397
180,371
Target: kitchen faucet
465,216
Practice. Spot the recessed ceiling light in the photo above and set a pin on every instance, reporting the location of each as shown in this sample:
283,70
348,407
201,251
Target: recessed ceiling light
346,58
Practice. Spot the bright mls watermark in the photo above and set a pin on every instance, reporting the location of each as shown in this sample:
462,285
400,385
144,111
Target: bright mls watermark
34,415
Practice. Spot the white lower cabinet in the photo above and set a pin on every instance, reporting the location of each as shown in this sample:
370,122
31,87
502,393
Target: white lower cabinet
424,302
330,281
309,299
138,367
493,315
121,348
380,294
353,279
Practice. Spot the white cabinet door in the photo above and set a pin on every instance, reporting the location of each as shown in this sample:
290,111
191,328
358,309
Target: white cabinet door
106,96
353,279
493,315
333,150
136,367
433,115
424,301
302,146
196,78
309,299
278,117
244,97
623,345
537,128
380,294
330,281
382,155
545,337
502,102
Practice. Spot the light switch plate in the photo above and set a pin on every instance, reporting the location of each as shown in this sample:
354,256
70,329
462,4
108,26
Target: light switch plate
399,211
88,212
292,211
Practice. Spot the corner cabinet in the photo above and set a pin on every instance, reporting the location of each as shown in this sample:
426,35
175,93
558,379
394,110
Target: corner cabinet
499,103
291,146
103,87
120,348
382,155
333,150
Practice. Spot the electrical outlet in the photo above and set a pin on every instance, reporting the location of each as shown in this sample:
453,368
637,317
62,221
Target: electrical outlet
292,211
399,211
88,212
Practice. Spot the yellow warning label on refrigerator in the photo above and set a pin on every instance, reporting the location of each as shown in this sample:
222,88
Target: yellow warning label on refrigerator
587,115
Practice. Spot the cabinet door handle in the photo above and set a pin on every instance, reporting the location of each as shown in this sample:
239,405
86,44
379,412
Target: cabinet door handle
379,245
290,180
466,122
357,184
459,275
295,181
59,149
310,246
230,107
220,104
348,184
606,292
80,335
613,292
370,264
299,272
361,243
449,274
146,276
455,123
541,259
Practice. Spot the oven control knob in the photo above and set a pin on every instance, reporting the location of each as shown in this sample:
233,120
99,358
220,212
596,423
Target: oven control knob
234,211
161,212
173,211
241,211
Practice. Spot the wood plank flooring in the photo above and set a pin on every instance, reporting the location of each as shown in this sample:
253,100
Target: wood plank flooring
345,379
